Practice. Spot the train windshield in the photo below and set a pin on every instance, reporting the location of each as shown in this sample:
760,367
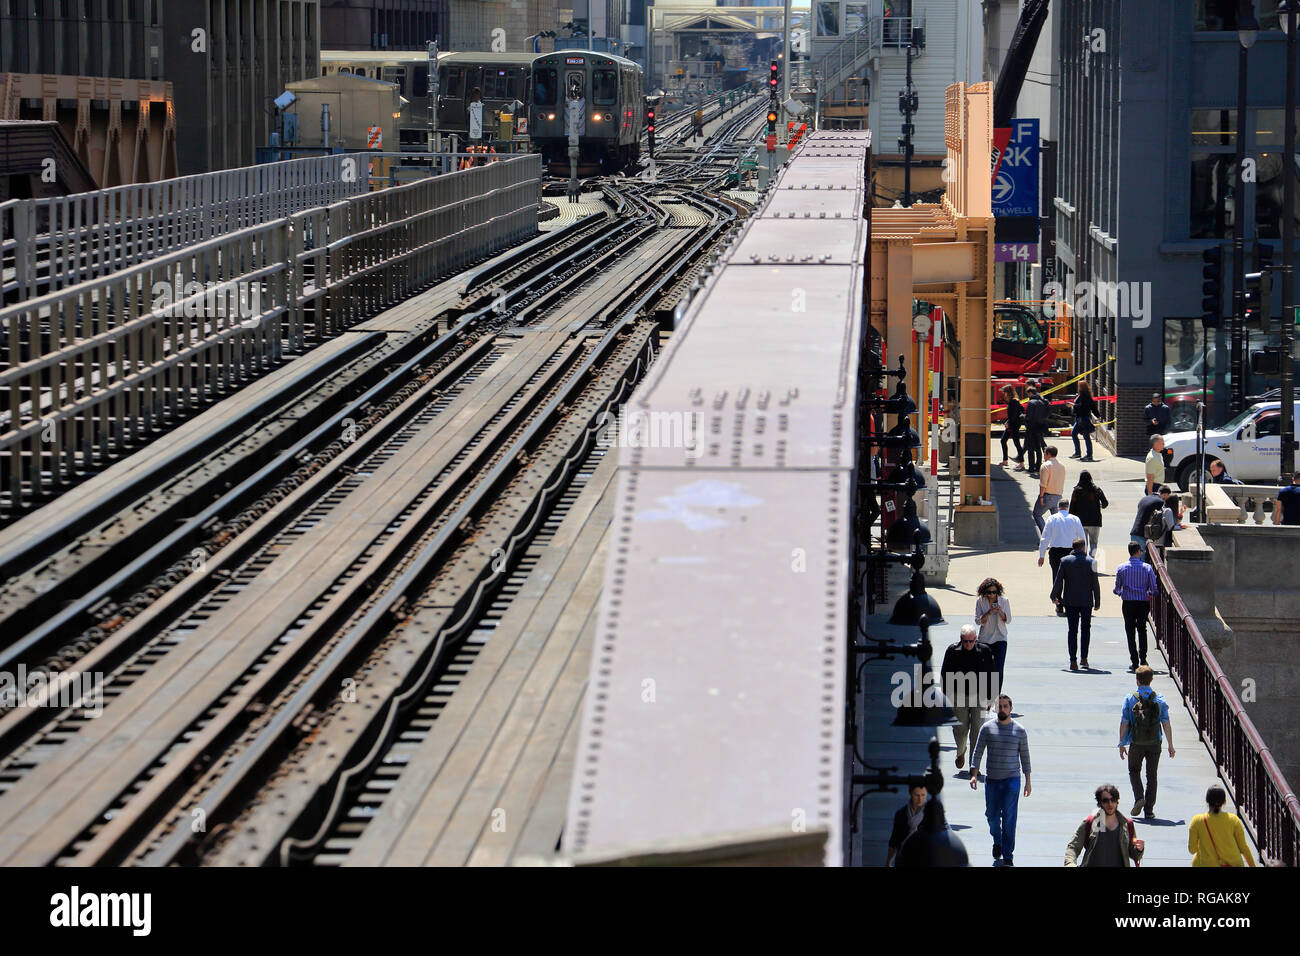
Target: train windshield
450,83
604,87
494,84
544,86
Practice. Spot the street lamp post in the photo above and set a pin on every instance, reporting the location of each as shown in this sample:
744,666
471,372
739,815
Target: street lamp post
1247,31
1289,14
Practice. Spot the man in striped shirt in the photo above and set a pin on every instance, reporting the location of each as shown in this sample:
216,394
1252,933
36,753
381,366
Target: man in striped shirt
1008,747
1135,583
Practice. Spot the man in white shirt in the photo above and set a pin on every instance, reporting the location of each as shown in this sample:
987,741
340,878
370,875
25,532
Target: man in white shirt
1059,532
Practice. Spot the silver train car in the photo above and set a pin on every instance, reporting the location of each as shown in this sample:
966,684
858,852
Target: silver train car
611,90
715,706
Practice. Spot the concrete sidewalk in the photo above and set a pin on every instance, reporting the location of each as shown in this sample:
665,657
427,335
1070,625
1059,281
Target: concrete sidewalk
1072,718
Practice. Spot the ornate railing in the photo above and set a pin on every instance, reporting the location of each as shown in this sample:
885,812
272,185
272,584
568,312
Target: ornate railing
1268,805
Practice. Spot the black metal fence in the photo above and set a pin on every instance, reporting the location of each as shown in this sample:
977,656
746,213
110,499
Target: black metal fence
1269,807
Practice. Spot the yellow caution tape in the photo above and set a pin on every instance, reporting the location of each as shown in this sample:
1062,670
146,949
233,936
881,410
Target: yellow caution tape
1071,381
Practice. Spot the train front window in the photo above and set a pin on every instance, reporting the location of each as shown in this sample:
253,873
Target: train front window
494,84
604,88
544,86
451,83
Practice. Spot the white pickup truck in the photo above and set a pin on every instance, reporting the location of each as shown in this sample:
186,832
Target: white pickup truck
1250,447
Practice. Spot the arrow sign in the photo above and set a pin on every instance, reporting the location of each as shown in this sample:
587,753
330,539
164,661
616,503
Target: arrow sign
1003,189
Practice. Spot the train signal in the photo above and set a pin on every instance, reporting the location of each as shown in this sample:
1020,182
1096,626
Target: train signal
650,128
1212,287
771,131
772,76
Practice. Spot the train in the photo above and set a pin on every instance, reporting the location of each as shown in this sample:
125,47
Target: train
612,91
501,78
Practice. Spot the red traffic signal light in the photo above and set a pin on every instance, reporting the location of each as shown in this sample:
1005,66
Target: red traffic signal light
771,117
772,79
650,120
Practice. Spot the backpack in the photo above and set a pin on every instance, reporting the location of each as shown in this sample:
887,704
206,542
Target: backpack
1146,719
1132,835
1155,529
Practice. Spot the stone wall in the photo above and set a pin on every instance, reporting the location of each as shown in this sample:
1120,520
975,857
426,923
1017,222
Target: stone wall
1241,583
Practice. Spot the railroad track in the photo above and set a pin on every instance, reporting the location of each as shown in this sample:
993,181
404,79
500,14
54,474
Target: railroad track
247,700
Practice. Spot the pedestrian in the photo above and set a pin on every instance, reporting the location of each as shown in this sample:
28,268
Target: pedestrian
1145,713
1136,585
907,819
1015,416
1051,485
1217,838
1157,501
1286,504
1106,838
1219,474
1059,534
1008,747
967,675
1083,409
992,612
1036,414
1086,502
1155,464
1157,415
1079,592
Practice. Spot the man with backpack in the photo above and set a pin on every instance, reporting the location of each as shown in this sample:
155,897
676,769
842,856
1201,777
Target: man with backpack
1155,519
1106,838
1036,414
1145,714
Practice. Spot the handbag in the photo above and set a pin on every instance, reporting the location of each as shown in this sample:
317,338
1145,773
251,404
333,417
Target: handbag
1212,843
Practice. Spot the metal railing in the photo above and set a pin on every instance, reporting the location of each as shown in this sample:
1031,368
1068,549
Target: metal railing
53,243
87,371
1268,805
850,54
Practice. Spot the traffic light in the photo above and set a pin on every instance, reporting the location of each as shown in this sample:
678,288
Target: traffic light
1212,287
650,128
772,77
1259,287
771,122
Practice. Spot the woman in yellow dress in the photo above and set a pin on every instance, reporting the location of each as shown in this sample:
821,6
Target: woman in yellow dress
1217,838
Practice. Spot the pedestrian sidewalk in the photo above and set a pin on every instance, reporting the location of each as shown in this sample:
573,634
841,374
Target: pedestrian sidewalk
1072,718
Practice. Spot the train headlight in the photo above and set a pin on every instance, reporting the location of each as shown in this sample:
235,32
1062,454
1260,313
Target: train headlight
550,116
609,117
595,117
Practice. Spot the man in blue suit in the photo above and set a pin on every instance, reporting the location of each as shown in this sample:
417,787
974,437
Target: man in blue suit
1077,589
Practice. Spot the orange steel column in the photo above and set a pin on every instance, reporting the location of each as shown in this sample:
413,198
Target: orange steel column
969,138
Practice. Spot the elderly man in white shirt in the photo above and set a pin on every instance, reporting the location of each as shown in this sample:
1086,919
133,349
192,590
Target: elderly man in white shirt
1059,532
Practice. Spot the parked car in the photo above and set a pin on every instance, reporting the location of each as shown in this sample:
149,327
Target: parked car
1250,447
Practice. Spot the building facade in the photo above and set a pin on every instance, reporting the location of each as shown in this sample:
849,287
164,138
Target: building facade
382,24
225,59
1145,183
502,26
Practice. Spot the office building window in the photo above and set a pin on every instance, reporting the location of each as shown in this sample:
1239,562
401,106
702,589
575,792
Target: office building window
1213,163
828,19
1217,15
1272,167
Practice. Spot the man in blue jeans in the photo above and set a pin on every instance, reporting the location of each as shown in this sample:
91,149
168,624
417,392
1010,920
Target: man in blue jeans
1008,747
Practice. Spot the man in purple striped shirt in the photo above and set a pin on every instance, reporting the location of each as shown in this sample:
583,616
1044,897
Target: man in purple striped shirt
1135,583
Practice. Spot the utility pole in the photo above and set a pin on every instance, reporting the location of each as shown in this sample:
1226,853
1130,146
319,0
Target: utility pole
907,105
1289,12
785,66
1237,351
433,97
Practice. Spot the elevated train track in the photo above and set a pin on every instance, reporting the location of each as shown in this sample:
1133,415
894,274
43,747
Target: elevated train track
271,660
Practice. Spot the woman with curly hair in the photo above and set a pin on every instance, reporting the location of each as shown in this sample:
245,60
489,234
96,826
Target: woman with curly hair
992,612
